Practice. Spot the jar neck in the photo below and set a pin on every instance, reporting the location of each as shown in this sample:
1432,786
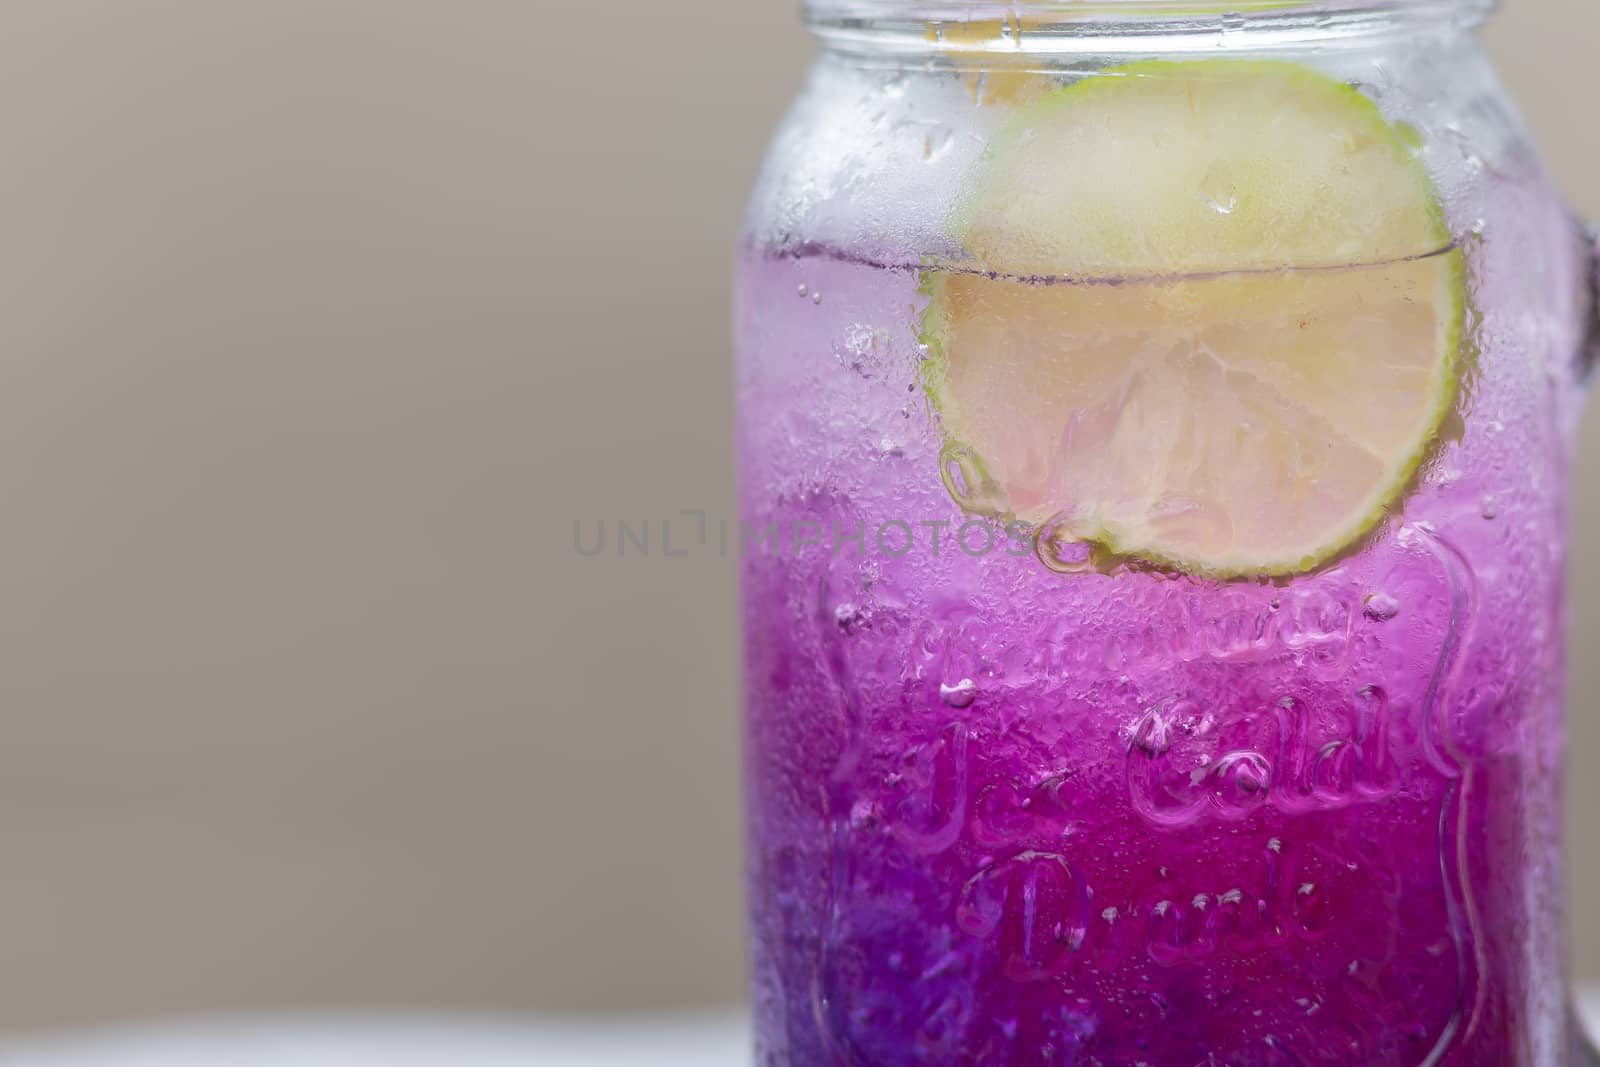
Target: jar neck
1042,28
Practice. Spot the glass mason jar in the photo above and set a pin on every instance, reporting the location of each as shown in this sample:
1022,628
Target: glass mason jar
1154,420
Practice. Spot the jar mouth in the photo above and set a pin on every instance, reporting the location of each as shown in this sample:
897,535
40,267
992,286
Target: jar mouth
971,10
1063,25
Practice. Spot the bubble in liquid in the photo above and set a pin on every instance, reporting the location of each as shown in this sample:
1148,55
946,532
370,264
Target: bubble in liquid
862,348
863,815
849,618
960,695
1489,507
1380,607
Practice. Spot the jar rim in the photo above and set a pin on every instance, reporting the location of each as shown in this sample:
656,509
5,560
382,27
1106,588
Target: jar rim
1045,26
970,10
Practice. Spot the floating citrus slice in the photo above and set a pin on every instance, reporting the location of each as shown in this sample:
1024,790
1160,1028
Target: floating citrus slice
1212,322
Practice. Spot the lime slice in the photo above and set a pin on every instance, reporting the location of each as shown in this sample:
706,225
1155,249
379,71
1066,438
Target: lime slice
1213,320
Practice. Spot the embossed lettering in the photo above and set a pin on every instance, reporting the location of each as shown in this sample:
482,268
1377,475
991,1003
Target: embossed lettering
1033,907
1176,774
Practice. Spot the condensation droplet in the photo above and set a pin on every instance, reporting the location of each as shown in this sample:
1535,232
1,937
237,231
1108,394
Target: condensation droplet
980,88
936,142
803,289
1217,188
959,695
849,618
1380,607
1489,507
816,298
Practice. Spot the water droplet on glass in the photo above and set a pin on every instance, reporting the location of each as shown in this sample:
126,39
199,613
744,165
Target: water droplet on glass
960,695
1380,607
1217,189
1410,136
816,298
803,289
936,142
1489,507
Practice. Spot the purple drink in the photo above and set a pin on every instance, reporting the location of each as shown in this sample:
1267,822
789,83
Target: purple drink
1011,803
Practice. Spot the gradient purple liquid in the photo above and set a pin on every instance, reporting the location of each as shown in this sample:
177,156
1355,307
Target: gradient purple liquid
1000,815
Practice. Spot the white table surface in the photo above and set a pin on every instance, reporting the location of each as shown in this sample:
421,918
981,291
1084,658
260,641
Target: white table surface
705,1041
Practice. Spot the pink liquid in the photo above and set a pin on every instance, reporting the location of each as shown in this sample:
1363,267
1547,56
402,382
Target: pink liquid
1002,815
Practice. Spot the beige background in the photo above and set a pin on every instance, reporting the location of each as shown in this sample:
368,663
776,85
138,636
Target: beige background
322,320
